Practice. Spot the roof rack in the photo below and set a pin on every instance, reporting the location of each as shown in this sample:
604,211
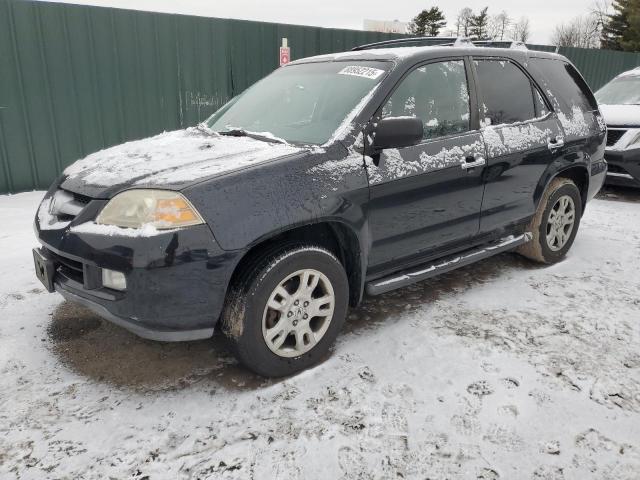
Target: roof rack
410,42
441,42
516,45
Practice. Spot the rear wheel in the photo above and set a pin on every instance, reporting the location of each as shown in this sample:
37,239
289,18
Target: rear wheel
555,224
284,312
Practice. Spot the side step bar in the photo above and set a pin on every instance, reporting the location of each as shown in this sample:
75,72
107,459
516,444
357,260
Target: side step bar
429,270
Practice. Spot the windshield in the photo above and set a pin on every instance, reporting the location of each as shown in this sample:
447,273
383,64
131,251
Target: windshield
620,91
303,103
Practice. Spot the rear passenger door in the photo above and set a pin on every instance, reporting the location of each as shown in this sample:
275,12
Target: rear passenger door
522,137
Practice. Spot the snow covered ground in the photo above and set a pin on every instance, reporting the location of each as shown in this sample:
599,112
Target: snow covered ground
500,370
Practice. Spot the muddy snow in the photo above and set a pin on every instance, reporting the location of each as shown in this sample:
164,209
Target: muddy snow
501,370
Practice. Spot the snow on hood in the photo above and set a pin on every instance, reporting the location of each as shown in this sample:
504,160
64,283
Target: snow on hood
630,73
621,115
176,157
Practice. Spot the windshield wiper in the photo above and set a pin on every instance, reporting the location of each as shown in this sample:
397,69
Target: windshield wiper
239,132
204,129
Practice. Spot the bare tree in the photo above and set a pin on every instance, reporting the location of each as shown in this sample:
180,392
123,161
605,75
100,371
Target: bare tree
521,30
463,22
498,26
601,9
582,32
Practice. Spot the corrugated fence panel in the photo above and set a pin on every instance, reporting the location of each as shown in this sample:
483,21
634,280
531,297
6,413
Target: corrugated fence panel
77,79
600,66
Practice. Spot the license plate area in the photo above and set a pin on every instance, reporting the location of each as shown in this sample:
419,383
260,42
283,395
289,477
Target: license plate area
45,269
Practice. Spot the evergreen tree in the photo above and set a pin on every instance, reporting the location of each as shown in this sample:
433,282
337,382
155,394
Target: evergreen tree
480,24
622,30
631,38
615,26
428,23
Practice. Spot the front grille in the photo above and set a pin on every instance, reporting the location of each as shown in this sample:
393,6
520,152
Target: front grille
82,199
613,135
68,267
64,206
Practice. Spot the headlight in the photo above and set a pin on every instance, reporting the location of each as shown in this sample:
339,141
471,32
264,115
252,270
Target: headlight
161,209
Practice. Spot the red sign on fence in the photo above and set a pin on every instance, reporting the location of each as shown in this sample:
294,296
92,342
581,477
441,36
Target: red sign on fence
285,55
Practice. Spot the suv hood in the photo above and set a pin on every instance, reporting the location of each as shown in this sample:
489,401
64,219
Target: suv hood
621,115
169,160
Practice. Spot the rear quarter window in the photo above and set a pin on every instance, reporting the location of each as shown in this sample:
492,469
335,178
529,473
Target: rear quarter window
566,86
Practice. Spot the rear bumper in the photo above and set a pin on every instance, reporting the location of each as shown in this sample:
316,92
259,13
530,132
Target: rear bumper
624,167
176,281
598,174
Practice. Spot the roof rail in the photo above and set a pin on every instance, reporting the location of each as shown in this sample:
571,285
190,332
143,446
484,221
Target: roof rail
442,42
501,44
463,42
410,42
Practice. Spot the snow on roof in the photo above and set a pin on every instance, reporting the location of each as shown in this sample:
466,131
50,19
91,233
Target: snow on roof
395,53
399,53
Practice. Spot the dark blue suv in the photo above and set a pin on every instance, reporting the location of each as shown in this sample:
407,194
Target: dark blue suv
336,175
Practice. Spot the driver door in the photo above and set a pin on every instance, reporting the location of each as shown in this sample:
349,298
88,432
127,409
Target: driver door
426,199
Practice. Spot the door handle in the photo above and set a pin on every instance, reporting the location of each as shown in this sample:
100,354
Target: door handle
473,162
556,143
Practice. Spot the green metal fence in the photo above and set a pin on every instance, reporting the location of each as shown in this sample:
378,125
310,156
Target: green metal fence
600,66
76,79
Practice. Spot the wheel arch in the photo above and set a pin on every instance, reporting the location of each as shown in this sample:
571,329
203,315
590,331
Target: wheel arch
336,236
579,174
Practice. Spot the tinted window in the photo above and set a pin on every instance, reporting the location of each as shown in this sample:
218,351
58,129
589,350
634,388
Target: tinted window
437,94
505,91
566,85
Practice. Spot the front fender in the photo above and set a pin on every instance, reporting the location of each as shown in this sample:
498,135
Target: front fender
248,206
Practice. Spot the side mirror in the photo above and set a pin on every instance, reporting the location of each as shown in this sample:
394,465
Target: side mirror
398,132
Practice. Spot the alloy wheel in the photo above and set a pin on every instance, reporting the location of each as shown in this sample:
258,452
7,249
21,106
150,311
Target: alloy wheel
560,223
298,313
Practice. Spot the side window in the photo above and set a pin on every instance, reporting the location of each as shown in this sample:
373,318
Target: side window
437,94
567,85
505,92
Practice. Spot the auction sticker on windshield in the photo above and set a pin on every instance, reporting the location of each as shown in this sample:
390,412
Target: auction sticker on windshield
366,72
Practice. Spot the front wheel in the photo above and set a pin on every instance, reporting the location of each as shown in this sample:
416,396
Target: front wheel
555,224
285,312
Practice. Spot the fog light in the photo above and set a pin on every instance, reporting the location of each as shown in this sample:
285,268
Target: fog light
113,279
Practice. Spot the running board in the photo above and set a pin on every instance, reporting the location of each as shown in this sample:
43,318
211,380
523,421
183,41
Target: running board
429,270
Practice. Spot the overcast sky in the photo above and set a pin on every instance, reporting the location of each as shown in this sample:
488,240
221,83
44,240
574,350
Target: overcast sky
544,14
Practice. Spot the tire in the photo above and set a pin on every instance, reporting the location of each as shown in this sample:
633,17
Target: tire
250,317
541,248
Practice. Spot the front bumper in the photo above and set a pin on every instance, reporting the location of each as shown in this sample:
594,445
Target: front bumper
176,281
624,167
